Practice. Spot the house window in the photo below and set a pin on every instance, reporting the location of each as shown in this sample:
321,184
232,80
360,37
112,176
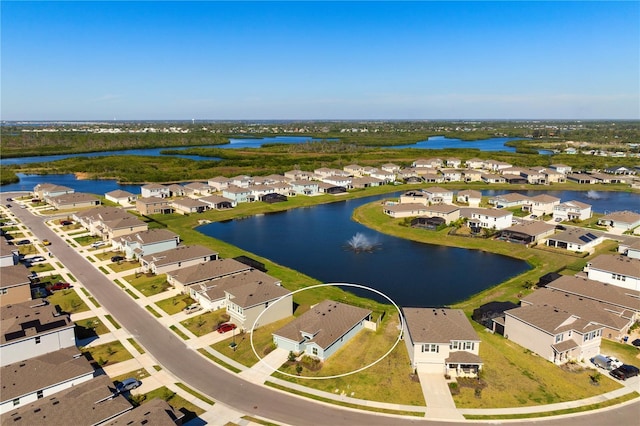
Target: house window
430,347
454,345
558,338
37,339
16,402
40,394
314,350
4,290
468,346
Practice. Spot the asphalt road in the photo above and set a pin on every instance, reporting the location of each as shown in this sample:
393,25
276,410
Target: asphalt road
226,387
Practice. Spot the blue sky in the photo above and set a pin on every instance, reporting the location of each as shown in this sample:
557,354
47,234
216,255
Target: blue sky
319,60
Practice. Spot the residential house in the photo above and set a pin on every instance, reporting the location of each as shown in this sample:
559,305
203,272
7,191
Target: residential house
74,200
572,210
554,334
238,194
182,278
540,204
496,166
438,195
622,220
241,181
493,219
453,162
471,175
576,239
581,178
365,182
153,205
430,176
470,197
16,285
211,294
441,341
492,178
189,205
88,403
534,177
270,302
327,188
554,176
474,163
146,242
429,163
405,210
337,180
154,190
43,190
176,190
219,183
512,199
124,198
384,175
298,175
323,329
451,175
621,271
118,227
305,187
621,302
93,219
620,170
325,172
561,168
450,213
354,170
31,329
408,173
9,254
179,257
42,376
606,178
217,202
527,232
156,412
390,167
630,249
197,189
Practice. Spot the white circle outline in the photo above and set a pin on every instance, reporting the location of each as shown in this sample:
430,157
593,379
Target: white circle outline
261,360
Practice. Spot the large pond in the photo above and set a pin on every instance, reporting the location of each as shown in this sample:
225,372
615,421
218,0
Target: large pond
442,142
315,241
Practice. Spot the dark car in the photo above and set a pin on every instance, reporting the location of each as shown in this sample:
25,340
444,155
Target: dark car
636,343
117,258
625,371
66,222
127,385
59,286
223,328
23,242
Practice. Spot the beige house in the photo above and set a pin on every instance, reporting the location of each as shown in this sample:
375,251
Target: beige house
553,333
441,341
121,197
189,205
153,205
469,196
541,204
246,302
15,286
74,200
122,226
182,278
405,210
179,257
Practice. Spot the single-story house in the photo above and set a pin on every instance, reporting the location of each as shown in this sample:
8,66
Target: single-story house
146,242
581,178
322,330
43,190
217,202
561,168
441,340
121,197
511,199
405,210
365,182
74,200
182,278
527,232
623,220
576,239
189,205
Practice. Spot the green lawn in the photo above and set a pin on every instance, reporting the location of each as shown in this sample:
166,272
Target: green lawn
138,374
175,304
148,285
69,301
94,324
205,323
108,353
189,410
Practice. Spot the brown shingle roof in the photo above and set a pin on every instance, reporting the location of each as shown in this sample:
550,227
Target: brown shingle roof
617,264
216,288
254,293
178,254
326,322
44,371
438,325
208,271
598,291
27,319
550,319
14,275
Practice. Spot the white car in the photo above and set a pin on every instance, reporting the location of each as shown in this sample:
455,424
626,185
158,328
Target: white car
615,362
98,244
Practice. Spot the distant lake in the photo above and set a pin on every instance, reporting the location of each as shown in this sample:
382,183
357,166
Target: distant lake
442,142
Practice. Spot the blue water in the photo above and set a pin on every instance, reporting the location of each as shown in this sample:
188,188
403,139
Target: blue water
314,241
442,142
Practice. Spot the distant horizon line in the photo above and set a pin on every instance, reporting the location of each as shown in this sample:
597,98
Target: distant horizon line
307,120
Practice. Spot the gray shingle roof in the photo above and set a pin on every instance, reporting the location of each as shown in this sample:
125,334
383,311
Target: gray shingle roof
617,264
22,320
438,325
178,254
254,293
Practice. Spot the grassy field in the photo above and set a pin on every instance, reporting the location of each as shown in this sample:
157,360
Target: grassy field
68,301
94,324
108,353
175,304
148,285
205,323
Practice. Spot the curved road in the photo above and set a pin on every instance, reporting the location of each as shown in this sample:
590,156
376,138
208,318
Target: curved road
226,387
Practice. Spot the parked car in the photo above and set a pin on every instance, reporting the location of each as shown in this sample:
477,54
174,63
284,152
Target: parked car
227,326
98,244
561,228
36,259
59,286
9,205
625,371
23,242
127,385
117,258
46,242
533,216
615,362
602,362
558,219
66,222
194,307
